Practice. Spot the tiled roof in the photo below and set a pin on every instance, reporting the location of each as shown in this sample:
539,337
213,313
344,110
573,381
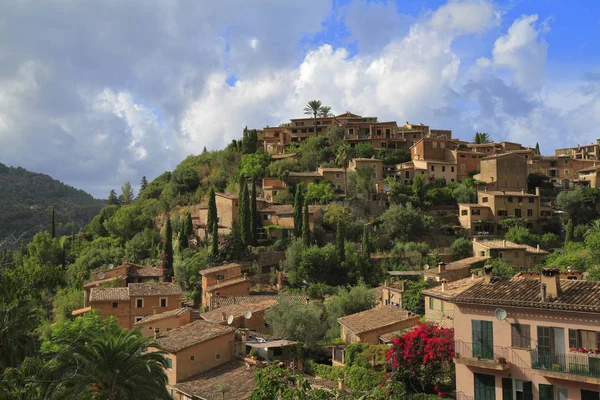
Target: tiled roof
502,155
219,302
191,334
507,193
227,196
459,264
103,281
154,289
451,288
234,375
146,272
506,244
367,159
304,174
389,337
228,282
575,295
288,209
237,310
220,268
374,318
588,169
178,312
331,169
109,294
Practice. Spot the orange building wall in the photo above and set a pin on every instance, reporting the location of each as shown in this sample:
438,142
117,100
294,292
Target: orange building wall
164,325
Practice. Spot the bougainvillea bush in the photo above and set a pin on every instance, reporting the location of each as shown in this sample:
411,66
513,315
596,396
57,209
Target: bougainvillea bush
422,358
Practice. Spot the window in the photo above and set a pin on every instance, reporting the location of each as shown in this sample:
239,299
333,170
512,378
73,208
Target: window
451,169
443,168
351,131
443,145
311,129
139,303
546,392
115,305
520,336
483,339
338,187
566,172
433,168
475,211
484,199
518,212
169,363
464,212
522,390
138,319
378,132
587,339
338,175
192,358
163,302
434,144
509,199
218,356
294,130
529,212
407,175
502,213
518,185
462,167
566,162
266,217
485,387
520,199
589,395
431,303
462,156
531,200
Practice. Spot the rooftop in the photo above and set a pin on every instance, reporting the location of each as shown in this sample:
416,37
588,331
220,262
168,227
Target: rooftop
226,283
154,289
459,264
109,294
146,272
281,156
234,375
287,209
512,153
374,318
190,335
237,310
507,244
575,295
219,302
220,268
227,196
507,193
178,312
590,169
307,174
451,289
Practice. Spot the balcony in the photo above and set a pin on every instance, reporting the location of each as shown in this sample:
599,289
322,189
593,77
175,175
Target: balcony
564,366
481,355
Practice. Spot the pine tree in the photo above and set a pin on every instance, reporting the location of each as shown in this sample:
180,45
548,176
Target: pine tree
214,240
366,245
112,198
305,226
143,184
127,194
168,257
211,218
52,223
244,215
570,231
298,203
340,245
253,216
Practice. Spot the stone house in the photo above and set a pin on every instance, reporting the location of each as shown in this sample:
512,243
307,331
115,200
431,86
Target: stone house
164,321
368,326
224,280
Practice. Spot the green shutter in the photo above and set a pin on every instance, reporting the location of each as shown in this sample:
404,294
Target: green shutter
507,389
169,363
546,392
485,387
573,338
527,390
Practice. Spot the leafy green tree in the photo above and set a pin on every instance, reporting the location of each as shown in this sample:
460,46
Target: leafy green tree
249,141
211,218
537,148
413,300
187,269
112,198
319,193
419,187
298,203
406,221
338,214
65,302
253,216
276,383
325,111
345,302
155,188
335,134
342,158
253,166
235,249
312,108
305,225
464,194
52,223
19,320
522,235
295,320
168,250
143,246
501,268
579,206
461,248
395,157
185,178
128,221
364,150
184,240
281,168
361,184
340,243
127,194
93,255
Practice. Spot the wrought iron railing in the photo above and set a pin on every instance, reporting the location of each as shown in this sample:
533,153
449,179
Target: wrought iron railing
576,363
481,351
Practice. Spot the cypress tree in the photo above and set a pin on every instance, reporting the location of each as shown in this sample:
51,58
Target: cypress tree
298,203
570,231
305,226
366,245
168,257
52,223
211,218
253,216
340,245
184,242
190,225
214,240
236,245
537,147
244,215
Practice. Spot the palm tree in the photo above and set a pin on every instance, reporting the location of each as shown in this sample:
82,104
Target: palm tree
325,111
18,321
594,227
108,366
312,108
343,159
482,138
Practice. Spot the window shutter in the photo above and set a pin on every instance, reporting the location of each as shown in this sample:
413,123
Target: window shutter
507,389
573,338
546,392
527,391
525,336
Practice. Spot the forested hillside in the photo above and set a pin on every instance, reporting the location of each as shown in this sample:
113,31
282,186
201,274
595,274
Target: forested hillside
27,196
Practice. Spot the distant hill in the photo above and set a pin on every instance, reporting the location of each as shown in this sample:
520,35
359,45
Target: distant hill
25,199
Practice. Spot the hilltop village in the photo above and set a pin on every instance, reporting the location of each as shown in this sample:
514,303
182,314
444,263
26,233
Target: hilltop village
339,256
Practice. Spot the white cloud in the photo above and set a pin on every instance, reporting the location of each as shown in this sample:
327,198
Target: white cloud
465,17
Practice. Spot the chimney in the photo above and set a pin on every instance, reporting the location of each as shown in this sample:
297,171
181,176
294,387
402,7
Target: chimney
551,280
403,286
543,292
223,317
340,384
522,191
504,243
173,280
441,267
537,191
386,283
154,310
538,248
155,333
473,276
487,270
444,285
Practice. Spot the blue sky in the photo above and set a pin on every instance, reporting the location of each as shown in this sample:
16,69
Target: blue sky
101,92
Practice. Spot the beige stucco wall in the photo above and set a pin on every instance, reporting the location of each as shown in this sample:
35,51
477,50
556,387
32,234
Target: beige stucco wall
504,173
519,358
439,312
210,279
238,289
152,303
500,202
121,313
164,325
373,336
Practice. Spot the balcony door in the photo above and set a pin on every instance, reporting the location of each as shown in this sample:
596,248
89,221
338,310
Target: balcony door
483,339
551,347
485,387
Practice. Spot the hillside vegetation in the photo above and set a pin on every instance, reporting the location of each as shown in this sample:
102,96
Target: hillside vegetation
27,196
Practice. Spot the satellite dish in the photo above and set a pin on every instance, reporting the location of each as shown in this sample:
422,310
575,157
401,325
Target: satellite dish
386,188
426,267
248,315
230,320
500,314
111,266
101,275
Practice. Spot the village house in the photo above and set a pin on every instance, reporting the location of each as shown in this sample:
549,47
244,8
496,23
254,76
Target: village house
507,171
454,270
278,220
224,280
164,321
242,315
225,301
368,326
271,188
227,212
439,308
588,177
527,338
519,256
562,170
585,152
133,303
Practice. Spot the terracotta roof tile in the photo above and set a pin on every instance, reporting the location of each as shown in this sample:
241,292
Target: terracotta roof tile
109,294
286,209
506,244
178,312
459,264
154,289
304,174
191,334
146,272
374,318
222,301
220,268
234,375
237,310
452,288
226,283
507,193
